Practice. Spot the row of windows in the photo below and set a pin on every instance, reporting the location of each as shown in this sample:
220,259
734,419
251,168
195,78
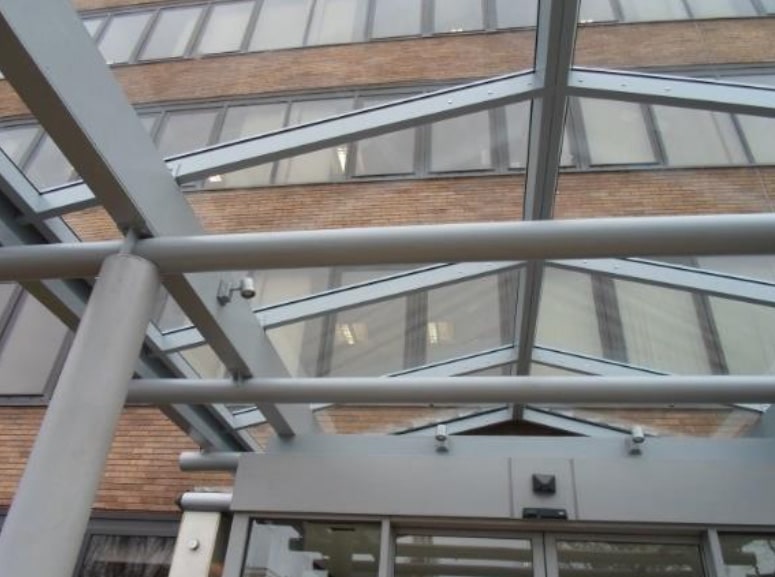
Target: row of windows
217,27
599,134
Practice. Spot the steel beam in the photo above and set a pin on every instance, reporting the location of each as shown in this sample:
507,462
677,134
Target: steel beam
671,91
520,389
585,364
52,62
54,498
464,365
351,296
556,36
677,277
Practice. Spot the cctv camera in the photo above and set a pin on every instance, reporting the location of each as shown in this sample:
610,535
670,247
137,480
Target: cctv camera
441,433
638,436
247,288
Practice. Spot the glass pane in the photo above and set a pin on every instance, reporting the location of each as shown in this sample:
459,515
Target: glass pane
16,141
748,555
516,13
171,33
746,333
322,165
127,556
628,559
241,122
205,362
567,317
596,11
281,24
391,153
458,16
647,10
278,286
226,27
769,6
662,328
338,549
464,318
397,18
337,21
119,40
441,556
93,25
48,166
759,133
698,137
721,8
461,143
616,132
518,129
751,267
26,369
185,131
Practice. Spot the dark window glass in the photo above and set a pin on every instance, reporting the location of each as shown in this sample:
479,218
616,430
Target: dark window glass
638,10
748,554
281,24
337,21
48,166
458,16
628,559
721,8
25,369
616,132
242,121
517,13
596,11
391,153
225,28
322,165
16,141
127,556
120,38
171,33
461,143
187,130
397,18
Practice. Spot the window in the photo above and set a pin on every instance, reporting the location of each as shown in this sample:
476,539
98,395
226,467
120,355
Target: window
47,166
121,36
93,25
721,8
171,33
758,132
16,141
616,132
337,21
628,559
596,11
391,153
516,13
748,554
461,143
518,130
638,10
225,27
281,24
185,130
127,556
458,15
397,18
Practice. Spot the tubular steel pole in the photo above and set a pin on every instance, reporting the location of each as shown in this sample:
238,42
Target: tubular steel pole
48,517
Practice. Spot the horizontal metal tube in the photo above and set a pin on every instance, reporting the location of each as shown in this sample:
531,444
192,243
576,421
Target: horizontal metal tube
523,390
197,461
215,502
518,240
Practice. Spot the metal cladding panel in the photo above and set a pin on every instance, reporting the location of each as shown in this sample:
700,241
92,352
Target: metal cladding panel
436,485
672,491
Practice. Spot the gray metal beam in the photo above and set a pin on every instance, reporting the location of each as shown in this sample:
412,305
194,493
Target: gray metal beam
556,35
53,502
584,364
677,277
52,62
390,287
671,91
464,365
520,389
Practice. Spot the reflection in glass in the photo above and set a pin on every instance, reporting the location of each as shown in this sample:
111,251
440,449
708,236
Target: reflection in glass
748,555
171,33
48,166
185,130
652,10
628,559
391,153
16,140
721,8
516,13
322,165
125,555
441,556
241,122
121,36
225,27
304,548
616,132
397,18
461,143
698,137
337,21
458,16
281,24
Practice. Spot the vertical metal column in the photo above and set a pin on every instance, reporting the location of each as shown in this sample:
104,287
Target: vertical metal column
48,517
